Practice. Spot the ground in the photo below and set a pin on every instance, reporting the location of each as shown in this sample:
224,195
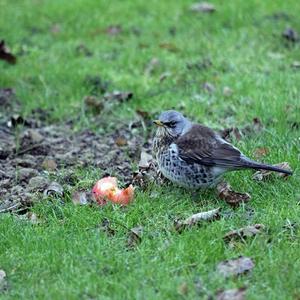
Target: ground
222,69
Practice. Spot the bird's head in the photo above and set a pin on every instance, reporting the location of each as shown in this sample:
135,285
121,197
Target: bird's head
172,124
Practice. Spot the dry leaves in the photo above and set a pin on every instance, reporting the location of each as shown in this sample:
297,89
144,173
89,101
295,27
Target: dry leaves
5,53
232,294
118,96
265,174
243,233
290,35
203,7
145,160
54,189
81,198
134,236
260,152
169,47
231,197
196,219
236,266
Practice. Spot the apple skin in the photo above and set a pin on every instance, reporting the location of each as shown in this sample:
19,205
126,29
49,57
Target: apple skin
106,189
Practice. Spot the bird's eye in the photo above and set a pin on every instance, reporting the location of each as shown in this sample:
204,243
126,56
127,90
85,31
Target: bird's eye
170,124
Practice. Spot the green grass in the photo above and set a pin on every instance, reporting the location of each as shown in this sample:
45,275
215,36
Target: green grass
67,255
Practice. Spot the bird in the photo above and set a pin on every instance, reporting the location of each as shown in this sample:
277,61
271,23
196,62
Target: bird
194,156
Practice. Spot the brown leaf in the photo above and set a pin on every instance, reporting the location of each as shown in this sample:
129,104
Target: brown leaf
231,197
203,7
80,198
6,55
121,141
183,289
197,219
95,104
228,133
145,160
265,174
243,233
114,30
30,217
290,35
49,164
54,189
135,236
118,96
169,47
232,294
260,152
236,266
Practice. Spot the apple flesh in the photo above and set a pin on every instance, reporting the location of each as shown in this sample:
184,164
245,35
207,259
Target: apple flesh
106,189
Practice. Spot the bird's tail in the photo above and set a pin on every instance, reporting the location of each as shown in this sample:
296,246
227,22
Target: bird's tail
260,166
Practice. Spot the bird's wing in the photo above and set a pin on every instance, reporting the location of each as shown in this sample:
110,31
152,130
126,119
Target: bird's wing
202,145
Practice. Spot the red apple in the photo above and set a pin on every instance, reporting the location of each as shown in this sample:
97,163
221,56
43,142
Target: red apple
106,189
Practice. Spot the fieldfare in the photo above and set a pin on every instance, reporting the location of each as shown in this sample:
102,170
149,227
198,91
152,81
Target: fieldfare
194,156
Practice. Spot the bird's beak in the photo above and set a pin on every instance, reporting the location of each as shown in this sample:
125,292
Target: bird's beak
158,123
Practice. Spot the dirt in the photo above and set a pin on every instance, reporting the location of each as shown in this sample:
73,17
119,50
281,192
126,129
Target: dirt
31,150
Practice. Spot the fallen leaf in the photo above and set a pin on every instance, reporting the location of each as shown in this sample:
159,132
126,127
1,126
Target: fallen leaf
55,28
232,294
135,236
96,105
82,49
80,198
231,197
265,174
49,164
290,34
16,120
54,189
121,141
164,76
183,289
106,227
96,84
118,96
228,133
151,66
30,217
236,266
243,233
145,160
34,136
208,87
211,215
114,30
201,65
25,174
37,183
203,7
5,53
260,152
169,47
227,91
